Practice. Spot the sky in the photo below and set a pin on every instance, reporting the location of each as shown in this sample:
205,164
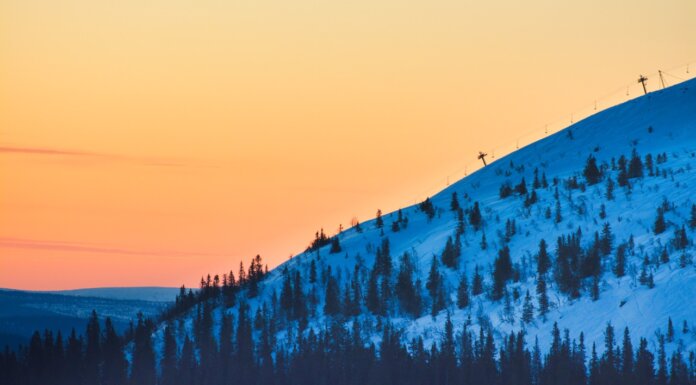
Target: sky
146,143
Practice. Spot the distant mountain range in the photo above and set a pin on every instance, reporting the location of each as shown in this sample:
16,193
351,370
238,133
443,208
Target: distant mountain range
23,312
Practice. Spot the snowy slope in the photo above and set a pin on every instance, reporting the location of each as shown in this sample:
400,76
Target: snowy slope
661,122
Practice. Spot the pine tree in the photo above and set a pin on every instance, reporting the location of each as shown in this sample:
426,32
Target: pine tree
449,255
635,167
670,330
591,172
143,364
661,378
620,267
286,294
609,194
543,260
477,282
542,296
434,286
463,292
692,219
502,272
312,272
680,240
527,309
664,256
427,207
335,245
168,363
379,222
332,304
475,217
659,226
558,217
644,365
454,203
627,359
605,242
406,292
114,364
93,351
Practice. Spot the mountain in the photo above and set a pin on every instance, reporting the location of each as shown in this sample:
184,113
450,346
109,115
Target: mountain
653,137
148,293
525,272
23,312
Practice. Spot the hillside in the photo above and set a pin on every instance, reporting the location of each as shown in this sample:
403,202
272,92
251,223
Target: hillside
23,312
658,129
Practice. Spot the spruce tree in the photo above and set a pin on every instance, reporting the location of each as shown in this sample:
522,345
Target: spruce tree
332,304
475,218
542,296
435,289
454,203
543,260
659,226
379,222
527,309
143,364
591,172
168,363
114,365
477,282
502,273
463,292
93,351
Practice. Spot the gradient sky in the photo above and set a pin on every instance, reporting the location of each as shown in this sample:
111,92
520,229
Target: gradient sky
150,142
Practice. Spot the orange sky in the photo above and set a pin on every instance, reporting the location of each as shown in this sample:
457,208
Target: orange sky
150,142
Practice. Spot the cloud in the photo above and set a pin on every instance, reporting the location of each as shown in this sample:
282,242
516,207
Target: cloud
46,151
80,247
55,152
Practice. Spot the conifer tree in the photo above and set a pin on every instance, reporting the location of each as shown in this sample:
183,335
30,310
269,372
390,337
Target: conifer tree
527,309
454,203
93,351
449,255
114,364
463,292
543,260
659,226
502,272
332,305
620,267
591,172
168,363
379,222
143,364
435,289
477,282
542,296
475,216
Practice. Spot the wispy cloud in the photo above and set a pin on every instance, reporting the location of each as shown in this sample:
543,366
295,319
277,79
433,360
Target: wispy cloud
46,151
95,156
81,247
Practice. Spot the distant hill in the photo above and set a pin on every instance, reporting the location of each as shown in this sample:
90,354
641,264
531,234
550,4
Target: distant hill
149,293
23,312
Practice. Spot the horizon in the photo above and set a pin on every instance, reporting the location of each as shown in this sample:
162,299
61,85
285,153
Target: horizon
150,145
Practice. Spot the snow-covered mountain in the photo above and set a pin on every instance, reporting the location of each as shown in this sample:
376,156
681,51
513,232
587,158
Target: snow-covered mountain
559,199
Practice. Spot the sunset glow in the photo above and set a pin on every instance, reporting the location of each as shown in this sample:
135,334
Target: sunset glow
149,143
